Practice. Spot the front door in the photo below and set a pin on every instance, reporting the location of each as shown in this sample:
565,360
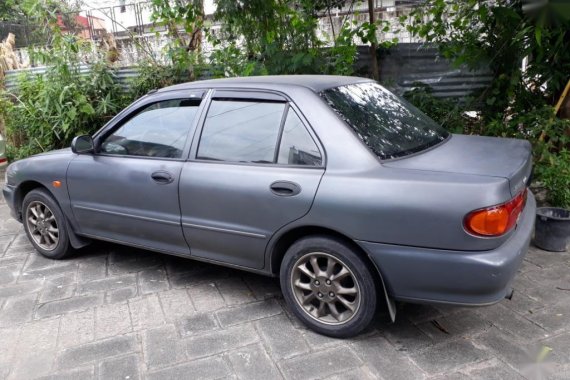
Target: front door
128,192
255,168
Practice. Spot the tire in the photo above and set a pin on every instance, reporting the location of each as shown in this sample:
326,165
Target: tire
339,298
49,234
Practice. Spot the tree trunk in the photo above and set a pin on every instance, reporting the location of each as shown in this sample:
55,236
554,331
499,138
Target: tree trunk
373,45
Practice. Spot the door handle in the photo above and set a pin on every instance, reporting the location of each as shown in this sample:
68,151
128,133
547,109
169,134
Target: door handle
285,188
162,177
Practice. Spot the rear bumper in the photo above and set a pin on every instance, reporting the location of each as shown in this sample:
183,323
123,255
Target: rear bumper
9,194
457,277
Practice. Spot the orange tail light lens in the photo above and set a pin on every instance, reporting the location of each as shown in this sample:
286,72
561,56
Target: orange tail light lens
496,220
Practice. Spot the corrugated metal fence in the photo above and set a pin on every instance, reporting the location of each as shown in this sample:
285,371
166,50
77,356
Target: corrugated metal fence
405,64
123,75
400,68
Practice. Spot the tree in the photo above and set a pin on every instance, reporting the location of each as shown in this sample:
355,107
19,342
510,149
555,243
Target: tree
500,35
10,10
373,45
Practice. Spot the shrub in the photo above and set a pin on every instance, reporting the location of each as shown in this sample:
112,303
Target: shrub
448,113
48,111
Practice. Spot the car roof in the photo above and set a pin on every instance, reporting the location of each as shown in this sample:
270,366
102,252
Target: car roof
316,83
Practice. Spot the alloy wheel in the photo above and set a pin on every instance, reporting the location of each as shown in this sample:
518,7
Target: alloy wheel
42,225
325,288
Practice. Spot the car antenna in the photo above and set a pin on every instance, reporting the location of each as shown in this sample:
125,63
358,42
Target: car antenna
152,91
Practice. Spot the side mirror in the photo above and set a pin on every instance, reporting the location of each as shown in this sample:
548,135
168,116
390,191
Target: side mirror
82,144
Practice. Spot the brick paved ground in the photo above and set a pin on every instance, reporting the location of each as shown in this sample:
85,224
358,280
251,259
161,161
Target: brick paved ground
118,313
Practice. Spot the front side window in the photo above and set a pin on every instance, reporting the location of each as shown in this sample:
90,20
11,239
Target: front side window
390,126
241,131
159,130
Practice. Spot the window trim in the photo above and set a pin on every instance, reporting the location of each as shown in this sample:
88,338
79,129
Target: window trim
268,96
143,103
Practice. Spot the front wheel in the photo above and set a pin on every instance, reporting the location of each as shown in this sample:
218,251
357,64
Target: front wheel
44,224
328,286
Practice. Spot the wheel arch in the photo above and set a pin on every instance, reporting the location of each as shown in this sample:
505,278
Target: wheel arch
22,190
25,188
279,247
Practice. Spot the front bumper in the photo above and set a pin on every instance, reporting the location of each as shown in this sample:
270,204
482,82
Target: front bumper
458,277
9,195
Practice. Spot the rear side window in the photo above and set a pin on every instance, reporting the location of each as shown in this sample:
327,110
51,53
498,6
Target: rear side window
241,131
254,131
297,146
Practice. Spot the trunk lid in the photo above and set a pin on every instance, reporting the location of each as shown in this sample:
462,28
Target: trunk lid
476,155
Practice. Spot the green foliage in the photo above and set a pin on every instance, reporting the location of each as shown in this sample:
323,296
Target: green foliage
152,75
276,37
554,173
518,103
447,112
280,37
10,10
183,48
49,110
500,35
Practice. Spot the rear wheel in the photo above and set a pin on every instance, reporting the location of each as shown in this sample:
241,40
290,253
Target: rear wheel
44,224
328,286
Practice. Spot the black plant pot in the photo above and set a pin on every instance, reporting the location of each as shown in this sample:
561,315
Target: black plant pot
552,230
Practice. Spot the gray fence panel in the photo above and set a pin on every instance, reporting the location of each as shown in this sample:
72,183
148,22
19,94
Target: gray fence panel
400,67
124,76
407,63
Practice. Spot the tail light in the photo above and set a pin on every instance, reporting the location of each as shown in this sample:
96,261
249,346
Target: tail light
496,220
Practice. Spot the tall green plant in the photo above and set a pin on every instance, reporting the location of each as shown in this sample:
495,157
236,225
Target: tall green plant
184,24
48,110
501,34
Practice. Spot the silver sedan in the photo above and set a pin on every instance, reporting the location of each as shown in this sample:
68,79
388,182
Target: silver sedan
346,192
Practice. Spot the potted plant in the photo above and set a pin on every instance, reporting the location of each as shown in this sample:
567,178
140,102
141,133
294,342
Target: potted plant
552,231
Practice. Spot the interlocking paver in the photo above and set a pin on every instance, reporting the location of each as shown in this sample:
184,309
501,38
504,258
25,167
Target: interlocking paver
116,312
120,295
493,370
77,328
161,347
281,338
152,280
58,288
17,310
320,364
176,304
249,312
197,323
253,363
106,284
68,305
146,312
120,368
448,356
206,297
219,341
209,368
94,351
385,360
112,320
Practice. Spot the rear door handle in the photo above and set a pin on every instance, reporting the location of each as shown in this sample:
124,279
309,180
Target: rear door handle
285,188
162,177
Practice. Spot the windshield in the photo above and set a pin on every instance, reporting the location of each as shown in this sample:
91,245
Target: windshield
390,126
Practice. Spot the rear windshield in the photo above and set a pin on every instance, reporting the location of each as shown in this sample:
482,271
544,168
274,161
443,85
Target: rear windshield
390,126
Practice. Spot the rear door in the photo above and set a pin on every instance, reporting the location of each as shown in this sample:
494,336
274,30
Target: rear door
255,168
